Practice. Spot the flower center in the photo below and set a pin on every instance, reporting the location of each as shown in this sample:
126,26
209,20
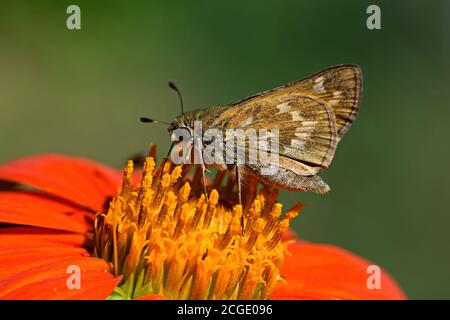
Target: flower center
165,239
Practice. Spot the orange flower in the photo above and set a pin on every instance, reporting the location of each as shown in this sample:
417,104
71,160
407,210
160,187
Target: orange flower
158,238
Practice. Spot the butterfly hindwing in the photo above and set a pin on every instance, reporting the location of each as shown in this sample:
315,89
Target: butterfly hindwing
288,180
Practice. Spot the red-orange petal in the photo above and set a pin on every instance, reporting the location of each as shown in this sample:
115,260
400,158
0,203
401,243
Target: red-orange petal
38,210
23,248
79,180
49,281
15,260
27,237
320,271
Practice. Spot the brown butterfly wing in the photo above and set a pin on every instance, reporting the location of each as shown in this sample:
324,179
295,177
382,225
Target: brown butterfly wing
311,115
340,87
306,126
287,179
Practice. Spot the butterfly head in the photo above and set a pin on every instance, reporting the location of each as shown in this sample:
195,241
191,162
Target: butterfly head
181,126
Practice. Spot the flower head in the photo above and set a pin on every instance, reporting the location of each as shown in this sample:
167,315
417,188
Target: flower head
158,236
164,241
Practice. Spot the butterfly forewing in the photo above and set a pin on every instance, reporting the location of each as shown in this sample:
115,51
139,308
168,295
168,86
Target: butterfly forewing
305,125
340,87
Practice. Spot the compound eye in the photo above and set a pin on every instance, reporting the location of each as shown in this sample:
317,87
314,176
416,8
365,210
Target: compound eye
180,134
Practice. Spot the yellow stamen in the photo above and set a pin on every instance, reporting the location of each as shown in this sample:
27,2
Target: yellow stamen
272,219
212,203
164,238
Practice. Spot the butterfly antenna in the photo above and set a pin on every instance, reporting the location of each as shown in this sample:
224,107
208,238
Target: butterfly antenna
175,88
149,120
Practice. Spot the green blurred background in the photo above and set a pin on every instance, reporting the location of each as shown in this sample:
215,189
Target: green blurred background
81,93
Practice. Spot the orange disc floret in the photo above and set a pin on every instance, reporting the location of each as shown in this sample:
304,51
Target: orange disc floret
165,242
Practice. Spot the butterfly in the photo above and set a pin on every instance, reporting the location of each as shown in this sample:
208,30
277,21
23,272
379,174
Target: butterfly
310,117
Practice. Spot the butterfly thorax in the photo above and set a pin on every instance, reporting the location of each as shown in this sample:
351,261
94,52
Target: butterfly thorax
207,118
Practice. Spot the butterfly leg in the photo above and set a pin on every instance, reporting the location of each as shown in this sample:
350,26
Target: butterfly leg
204,181
239,186
198,149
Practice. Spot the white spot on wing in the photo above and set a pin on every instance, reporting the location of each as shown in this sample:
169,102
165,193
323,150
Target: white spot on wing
283,107
319,79
310,123
296,116
318,85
